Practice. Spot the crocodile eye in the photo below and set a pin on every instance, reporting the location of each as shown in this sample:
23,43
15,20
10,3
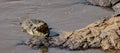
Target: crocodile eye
42,29
38,29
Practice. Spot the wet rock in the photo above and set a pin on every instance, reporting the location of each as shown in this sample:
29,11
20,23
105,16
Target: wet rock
106,3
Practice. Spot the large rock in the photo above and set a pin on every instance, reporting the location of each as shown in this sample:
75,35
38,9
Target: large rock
104,33
106,3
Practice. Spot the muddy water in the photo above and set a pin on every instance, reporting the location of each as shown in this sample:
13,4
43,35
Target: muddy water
61,15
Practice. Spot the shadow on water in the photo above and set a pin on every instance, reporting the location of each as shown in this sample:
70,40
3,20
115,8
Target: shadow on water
52,34
108,9
112,51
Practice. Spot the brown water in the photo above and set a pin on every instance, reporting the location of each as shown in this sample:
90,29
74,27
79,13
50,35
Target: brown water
61,15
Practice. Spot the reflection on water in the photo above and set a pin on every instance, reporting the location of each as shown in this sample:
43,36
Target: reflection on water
112,51
44,49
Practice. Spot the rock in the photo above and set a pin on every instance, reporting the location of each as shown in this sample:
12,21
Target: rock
106,3
39,31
